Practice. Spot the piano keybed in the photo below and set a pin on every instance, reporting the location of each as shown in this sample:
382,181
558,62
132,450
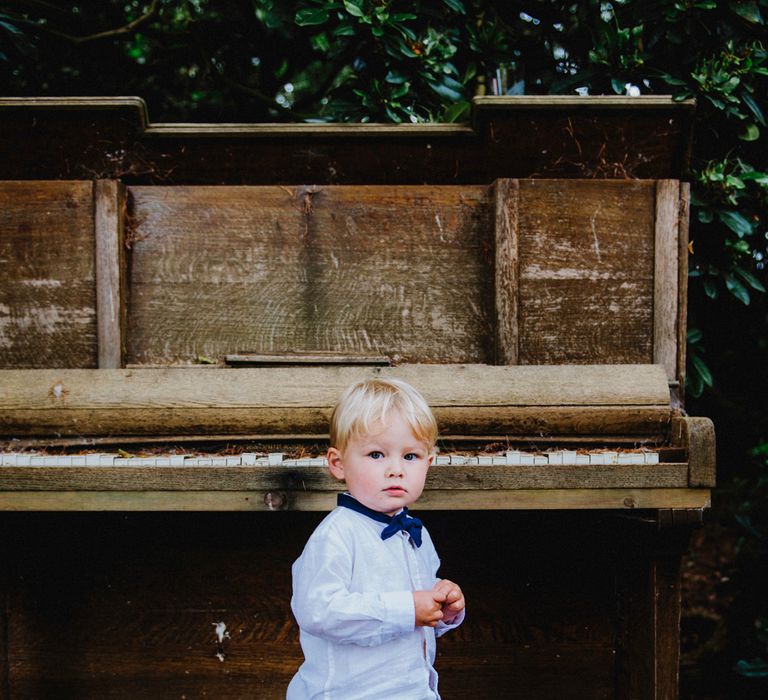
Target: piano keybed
509,458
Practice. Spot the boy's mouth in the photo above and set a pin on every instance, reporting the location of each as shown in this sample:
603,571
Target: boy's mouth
395,489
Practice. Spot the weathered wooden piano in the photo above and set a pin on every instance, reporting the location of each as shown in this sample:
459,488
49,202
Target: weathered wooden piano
181,306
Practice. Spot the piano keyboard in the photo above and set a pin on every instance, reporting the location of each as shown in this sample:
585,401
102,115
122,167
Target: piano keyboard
512,458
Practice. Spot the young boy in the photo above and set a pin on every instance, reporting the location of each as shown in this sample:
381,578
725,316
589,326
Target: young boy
365,589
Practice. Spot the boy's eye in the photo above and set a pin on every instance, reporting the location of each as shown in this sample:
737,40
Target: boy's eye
411,456
375,454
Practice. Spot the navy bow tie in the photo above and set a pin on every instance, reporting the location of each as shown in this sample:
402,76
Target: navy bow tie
395,523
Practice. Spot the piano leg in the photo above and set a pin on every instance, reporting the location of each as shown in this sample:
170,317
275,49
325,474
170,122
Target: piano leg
649,554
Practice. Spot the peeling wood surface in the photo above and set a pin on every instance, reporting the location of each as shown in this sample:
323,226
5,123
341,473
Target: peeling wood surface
506,195
390,271
666,276
47,275
586,271
110,271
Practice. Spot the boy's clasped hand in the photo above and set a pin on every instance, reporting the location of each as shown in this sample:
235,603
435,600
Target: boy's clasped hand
444,602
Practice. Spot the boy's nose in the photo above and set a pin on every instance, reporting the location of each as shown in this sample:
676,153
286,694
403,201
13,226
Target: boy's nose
394,468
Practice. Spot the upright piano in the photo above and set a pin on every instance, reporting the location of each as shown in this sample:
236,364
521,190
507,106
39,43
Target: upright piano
182,305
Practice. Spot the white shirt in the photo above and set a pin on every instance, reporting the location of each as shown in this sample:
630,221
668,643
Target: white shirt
352,598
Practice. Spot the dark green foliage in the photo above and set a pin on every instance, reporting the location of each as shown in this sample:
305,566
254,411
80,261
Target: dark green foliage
423,60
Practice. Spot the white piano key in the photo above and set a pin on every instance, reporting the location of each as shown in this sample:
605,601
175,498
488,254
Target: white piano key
64,461
630,458
275,459
106,460
611,457
293,463
582,459
204,462
569,457
499,460
484,460
460,460
248,459
317,462
9,459
555,458
163,462
651,457
513,458
233,461
122,462
50,461
597,458
177,460
218,461
23,460
442,459
78,460
526,459
37,461
92,460
540,460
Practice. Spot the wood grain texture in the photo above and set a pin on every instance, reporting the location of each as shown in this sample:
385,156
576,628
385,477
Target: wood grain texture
273,479
682,282
666,276
451,499
506,194
108,198
374,270
466,399
586,271
697,435
47,276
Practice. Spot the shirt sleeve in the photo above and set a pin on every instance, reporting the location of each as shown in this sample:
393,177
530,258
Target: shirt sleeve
325,607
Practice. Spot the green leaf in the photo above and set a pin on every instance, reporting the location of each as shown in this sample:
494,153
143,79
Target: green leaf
709,288
395,78
756,668
735,221
750,279
751,133
456,6
756,177
344,30
702,370
445,91
705,216
353,8
618,86
311,16
457,112
694,335
737,289
749,11
754,108
400,90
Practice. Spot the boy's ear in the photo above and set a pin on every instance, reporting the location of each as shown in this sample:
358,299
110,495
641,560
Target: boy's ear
335,464
432,456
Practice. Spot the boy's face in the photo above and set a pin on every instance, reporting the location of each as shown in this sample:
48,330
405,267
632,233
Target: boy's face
386,469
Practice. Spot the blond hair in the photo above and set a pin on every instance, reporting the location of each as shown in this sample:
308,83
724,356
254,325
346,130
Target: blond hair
371,401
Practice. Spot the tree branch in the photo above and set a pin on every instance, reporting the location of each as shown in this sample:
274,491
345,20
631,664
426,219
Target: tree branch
118,31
